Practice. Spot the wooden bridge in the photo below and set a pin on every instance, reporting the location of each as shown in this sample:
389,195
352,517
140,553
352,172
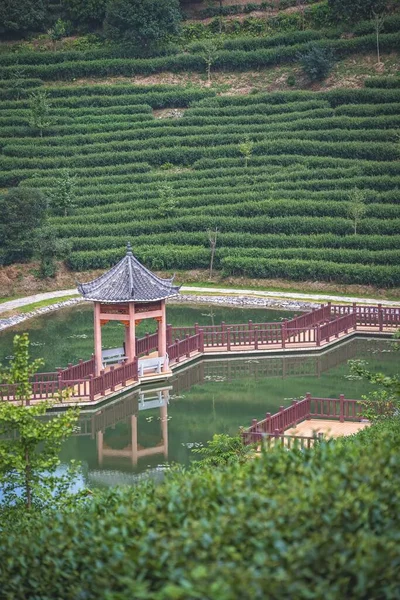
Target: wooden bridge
313,330
307,420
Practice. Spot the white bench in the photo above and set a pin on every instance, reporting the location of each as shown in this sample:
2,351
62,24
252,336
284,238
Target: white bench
151,364
113,356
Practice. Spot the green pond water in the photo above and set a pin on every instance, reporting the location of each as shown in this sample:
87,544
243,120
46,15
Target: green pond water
140,433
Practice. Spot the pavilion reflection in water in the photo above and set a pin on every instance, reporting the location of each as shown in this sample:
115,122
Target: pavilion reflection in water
131,408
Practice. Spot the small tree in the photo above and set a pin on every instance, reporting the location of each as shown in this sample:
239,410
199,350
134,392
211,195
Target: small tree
22,210
62,199
356,208
40,111
21,369
57,32
223,450
212,236
209,53
145,23
29,442
383,403
246,149
317,62
344,10
49,248
379,21
167,203
301,6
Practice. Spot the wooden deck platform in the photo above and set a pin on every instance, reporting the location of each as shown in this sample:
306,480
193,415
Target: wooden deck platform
329,429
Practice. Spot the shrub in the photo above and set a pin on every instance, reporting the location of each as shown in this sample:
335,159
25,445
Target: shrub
319,523
317,62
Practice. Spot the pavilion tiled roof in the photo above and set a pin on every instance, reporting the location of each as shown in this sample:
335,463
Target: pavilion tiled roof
128,281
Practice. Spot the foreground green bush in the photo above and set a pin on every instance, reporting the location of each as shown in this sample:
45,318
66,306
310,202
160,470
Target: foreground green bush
322,523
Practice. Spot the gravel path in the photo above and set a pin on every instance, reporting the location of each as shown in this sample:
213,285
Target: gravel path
12,304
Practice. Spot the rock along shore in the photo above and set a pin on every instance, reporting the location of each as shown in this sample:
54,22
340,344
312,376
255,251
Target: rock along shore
233,301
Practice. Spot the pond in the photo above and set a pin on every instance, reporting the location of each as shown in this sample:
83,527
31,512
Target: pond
139,434
65,336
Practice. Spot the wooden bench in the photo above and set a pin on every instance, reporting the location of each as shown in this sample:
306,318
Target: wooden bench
113,356
151,364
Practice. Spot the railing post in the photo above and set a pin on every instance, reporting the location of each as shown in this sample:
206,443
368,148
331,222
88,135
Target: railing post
59,380
169,334
253,429
250,325
196,328
318,334
177,350
223,329
256,338
268,422
187,346
329,310
294,404
380,317
201,341
308,406
281,418
228,339
103,383
91,389
341,408
283,333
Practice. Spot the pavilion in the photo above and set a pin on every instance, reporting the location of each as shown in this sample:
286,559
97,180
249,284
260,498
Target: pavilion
129,293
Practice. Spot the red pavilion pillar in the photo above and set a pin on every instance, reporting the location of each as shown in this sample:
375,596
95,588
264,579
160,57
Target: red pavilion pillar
97,339
162,335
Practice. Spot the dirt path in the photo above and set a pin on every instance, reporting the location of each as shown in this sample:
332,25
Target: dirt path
13,304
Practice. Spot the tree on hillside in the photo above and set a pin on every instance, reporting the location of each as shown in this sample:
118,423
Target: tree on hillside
30,443
209,53
57,32
22,211
144,23
90,12
40,111
344,10
246,149
379,21
23,16
49,247
317,62
356,208
212,237
167,203
62,198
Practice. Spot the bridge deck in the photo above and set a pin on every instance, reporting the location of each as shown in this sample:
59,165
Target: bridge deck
330,429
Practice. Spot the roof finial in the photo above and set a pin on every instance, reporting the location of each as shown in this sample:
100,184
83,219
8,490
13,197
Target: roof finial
129,248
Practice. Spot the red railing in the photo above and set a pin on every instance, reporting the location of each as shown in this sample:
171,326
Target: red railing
340,408
82,370
370,316
336,327
311,318
184,348
147,344
109,380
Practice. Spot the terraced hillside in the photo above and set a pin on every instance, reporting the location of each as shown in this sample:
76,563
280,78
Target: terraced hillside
164,183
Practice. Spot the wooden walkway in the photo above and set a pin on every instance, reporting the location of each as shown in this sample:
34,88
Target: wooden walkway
329,429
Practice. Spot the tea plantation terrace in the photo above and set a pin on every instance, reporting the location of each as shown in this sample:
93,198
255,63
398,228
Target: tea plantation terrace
167,181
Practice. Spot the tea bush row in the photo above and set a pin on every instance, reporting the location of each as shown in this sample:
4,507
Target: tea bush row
298,270
229,60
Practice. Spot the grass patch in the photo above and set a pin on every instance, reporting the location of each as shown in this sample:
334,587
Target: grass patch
42,303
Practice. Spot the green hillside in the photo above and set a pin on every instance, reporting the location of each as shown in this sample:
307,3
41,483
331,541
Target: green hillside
285,212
